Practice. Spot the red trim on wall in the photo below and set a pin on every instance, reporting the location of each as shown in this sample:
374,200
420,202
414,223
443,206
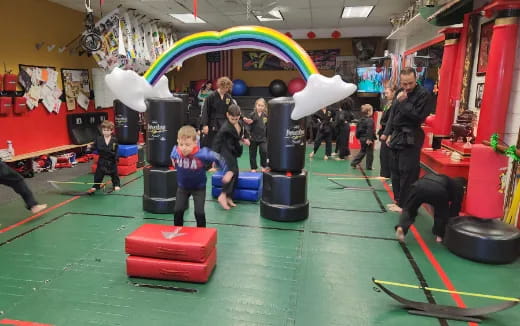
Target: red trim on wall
431,42
38,129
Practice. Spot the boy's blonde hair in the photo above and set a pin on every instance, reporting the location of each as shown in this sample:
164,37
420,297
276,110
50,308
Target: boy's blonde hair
366,109
107,125
187,132
223,82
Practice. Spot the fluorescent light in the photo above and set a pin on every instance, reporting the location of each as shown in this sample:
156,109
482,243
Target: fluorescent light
357,12
188,18
273,15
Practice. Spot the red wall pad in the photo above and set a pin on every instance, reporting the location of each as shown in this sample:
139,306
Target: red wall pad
172,242
20,105
483,199
6,105
174,270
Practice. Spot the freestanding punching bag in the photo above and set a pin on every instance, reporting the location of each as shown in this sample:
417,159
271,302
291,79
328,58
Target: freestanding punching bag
163,117
284,193
127,124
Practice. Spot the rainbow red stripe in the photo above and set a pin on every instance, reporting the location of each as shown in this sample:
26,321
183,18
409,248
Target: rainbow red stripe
255,37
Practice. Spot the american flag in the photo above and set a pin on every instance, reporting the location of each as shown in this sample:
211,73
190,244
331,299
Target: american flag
219,64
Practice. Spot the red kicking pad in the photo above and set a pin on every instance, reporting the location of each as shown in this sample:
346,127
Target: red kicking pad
173,270
172,242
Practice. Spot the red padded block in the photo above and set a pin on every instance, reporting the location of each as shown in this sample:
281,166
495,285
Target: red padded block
6,105
126,169
20,105
173,270
483,199
127,161
171,242
93,168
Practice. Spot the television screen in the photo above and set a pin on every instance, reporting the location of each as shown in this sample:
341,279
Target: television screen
370,80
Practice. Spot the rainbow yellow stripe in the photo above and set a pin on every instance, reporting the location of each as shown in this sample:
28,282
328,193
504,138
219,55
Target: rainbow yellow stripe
257,37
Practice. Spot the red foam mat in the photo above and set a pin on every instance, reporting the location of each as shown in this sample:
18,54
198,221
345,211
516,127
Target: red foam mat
130,160
171,242
173,270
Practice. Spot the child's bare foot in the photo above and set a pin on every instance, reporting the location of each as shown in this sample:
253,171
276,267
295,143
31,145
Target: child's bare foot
117,188
253,170
231,203
212,170
394,208
438,239
222,200
38,208
399,234
92,190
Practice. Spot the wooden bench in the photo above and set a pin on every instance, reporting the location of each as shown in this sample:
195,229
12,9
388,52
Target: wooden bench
44,152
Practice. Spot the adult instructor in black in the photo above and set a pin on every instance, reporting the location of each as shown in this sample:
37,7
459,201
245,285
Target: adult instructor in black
214,110
404,135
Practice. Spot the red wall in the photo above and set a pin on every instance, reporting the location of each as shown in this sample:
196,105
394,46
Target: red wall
38,129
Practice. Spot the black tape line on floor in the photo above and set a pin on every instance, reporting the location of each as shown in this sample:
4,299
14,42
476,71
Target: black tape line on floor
229,224
54,219
348,210
421,278
373,190
163,287
354,236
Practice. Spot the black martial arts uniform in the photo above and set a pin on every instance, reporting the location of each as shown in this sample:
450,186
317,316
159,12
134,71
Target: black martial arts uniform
227,144
365,132
107,163
13,179
445,194
407,137
258,139
324,131
213,115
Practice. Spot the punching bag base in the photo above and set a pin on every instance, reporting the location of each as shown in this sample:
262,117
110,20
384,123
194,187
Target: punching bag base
158,205
284,213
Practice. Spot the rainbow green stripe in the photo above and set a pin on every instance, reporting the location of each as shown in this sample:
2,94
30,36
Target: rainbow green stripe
258,37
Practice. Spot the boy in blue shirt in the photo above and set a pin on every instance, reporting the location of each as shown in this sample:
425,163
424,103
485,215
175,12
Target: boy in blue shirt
190,161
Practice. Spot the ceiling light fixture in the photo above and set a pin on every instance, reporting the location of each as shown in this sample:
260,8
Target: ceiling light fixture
273,15
357,12
188,18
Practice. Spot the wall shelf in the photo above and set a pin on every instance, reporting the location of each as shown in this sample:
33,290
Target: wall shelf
412,26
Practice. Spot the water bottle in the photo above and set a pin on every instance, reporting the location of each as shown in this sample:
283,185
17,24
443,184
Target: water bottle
10,148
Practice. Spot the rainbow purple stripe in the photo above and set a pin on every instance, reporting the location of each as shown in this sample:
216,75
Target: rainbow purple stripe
255,37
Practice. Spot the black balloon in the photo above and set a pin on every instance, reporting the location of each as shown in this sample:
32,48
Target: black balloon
277,88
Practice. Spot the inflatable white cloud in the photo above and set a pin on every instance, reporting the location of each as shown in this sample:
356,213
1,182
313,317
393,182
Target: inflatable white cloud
132,89
320,92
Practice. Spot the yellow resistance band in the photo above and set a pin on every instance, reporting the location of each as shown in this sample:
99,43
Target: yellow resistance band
448,291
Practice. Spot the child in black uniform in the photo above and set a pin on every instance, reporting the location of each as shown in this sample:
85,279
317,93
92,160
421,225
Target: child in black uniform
366,134
13,179
107,149
258,122
324,118
228,144
445,194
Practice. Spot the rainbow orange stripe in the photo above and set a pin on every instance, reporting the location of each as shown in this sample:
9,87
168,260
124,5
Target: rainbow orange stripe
257,37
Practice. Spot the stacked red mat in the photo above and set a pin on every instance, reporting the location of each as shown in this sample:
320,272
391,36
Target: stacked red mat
125,166
171,252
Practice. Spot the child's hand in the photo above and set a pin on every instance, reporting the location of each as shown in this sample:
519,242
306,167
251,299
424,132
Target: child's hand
227,177
248,121
369,142
246,141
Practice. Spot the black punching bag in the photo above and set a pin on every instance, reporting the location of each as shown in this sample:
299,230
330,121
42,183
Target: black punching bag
164,117
160,189
285,137
127,124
